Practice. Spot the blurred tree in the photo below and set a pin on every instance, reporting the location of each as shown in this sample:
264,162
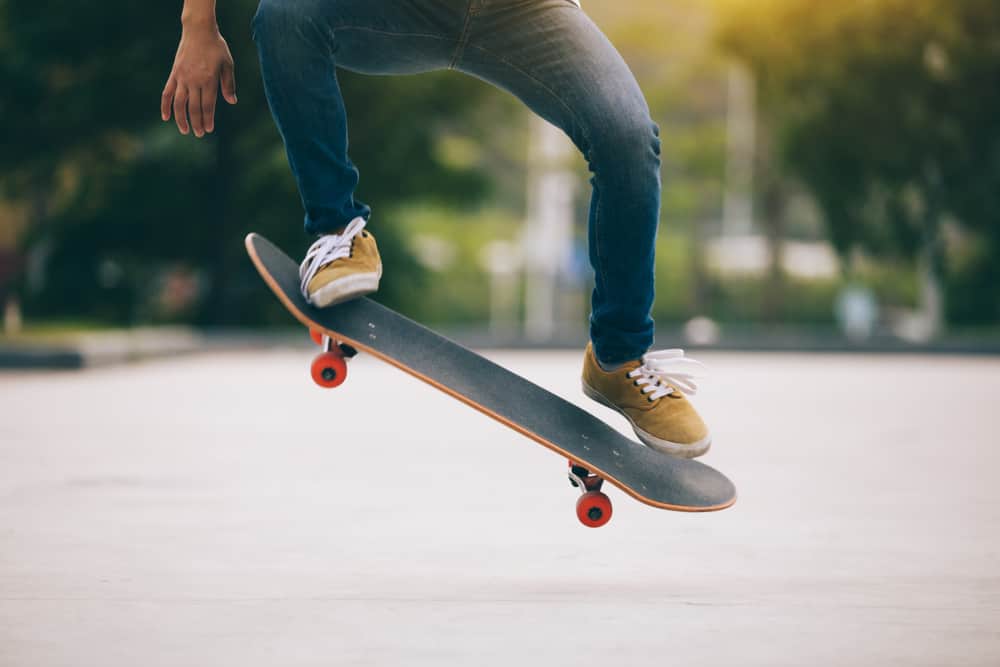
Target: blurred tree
668,46
118,197
889,112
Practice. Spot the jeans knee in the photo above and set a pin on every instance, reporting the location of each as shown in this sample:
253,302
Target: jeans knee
631,137
625,144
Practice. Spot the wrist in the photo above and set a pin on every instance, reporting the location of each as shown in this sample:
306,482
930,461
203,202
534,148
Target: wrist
198,20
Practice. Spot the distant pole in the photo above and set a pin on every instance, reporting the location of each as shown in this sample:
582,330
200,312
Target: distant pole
10,265
548,228
737,208
502,260
12,321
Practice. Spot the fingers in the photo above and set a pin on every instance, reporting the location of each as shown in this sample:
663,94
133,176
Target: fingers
195,112
228,83
194,104
180,110
208,97
167,98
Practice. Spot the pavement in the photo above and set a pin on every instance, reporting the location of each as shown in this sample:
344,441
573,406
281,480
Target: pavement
218,509
90,349
102,348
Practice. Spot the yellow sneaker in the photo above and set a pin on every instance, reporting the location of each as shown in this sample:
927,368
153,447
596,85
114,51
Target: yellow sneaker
648,392
340,267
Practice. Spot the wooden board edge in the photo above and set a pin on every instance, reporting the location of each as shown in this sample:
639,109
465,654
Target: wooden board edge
310,324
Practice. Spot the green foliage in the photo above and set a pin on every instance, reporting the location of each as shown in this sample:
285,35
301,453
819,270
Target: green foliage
887,110
973,284
738,300
72,78
123,199
457,291
725,298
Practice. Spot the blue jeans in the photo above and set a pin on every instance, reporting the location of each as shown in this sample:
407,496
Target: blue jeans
548,53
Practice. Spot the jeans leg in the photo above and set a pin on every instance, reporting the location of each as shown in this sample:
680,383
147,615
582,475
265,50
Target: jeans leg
300,43
554,58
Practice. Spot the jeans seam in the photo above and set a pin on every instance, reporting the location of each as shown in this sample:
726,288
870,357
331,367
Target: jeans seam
389,32
543,86
597,237
463,36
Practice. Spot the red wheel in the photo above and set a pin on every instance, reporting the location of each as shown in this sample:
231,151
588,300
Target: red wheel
317,336
329,370
593,509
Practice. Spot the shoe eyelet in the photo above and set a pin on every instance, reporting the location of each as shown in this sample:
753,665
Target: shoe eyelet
650,399
635,382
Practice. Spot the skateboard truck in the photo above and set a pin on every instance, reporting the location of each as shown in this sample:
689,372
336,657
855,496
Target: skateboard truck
593,507
329,368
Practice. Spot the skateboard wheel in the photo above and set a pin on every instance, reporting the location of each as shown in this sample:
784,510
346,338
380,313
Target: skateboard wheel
317,336
593,509
329,370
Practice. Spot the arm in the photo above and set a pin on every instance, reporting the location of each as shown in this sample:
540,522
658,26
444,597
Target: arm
202,64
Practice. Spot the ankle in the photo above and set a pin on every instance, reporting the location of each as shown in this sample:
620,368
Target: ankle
609,367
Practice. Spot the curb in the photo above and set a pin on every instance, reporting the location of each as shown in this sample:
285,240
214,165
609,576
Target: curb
101,349
117,347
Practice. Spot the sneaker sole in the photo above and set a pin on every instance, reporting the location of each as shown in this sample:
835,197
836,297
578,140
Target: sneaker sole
345,289
690,451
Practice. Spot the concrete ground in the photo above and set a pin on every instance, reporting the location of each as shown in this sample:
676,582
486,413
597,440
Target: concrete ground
220,510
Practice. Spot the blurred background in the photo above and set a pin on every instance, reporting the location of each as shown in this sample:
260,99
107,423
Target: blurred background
831,177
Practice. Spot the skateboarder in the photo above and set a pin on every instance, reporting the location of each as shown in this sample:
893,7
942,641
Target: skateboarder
549,54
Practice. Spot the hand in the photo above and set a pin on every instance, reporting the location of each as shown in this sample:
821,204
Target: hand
202,64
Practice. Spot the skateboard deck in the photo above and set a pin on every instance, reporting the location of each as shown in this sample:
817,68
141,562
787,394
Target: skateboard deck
596,451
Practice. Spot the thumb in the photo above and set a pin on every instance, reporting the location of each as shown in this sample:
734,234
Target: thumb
228,83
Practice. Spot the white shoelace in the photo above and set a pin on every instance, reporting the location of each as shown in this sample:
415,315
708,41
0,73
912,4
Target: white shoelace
664,371
327,249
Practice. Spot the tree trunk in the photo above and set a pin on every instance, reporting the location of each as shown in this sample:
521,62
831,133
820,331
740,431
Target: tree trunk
930,267
772,219
216,308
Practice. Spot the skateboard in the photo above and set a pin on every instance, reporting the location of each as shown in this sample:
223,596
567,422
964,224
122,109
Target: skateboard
596,452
